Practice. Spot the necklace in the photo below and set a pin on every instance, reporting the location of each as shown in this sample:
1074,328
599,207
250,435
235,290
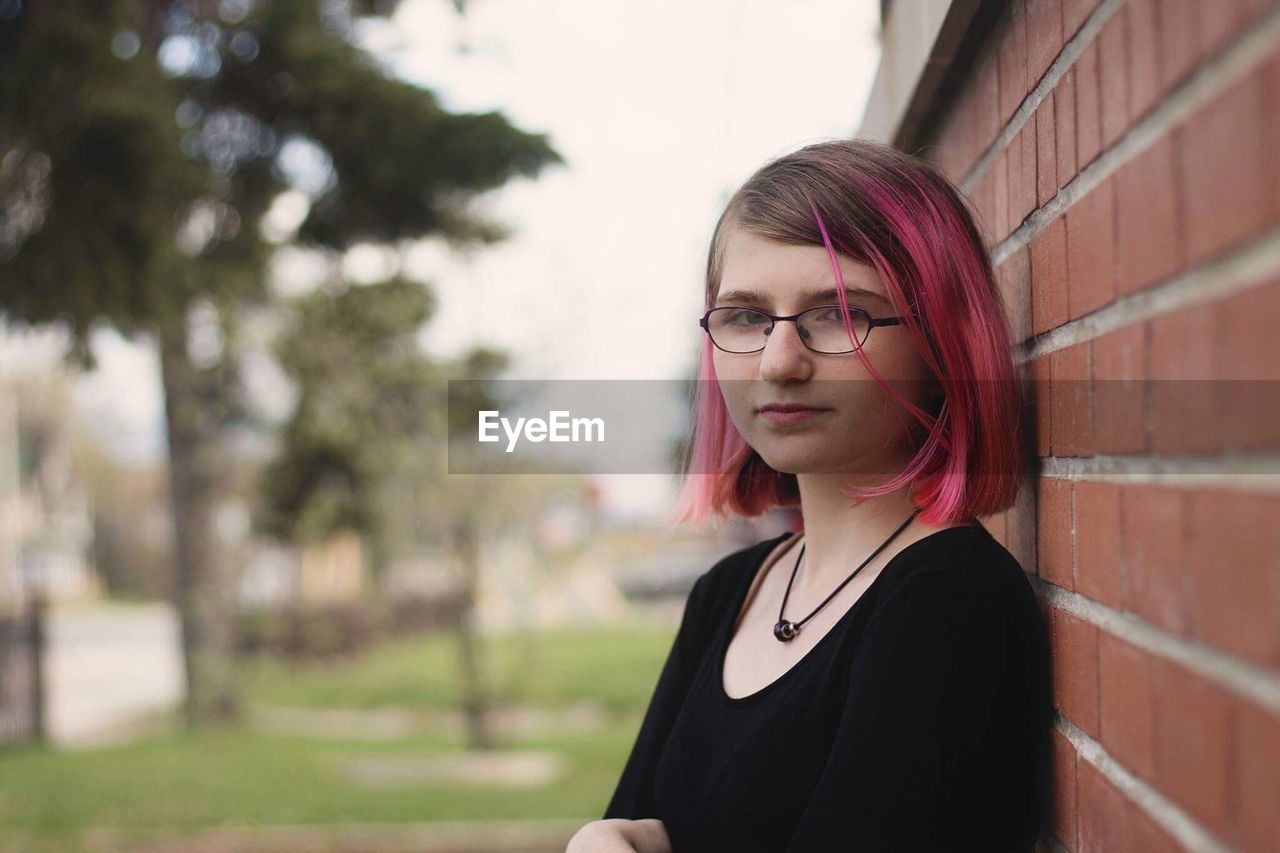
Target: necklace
785,630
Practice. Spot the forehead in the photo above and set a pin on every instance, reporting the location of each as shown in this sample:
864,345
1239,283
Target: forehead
756,269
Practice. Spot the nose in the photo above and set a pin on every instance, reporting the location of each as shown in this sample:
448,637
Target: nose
785,357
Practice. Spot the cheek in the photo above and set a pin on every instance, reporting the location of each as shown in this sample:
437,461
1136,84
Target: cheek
735,384
734,375
903,368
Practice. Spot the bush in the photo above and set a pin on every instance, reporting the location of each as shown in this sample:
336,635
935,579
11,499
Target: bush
325,631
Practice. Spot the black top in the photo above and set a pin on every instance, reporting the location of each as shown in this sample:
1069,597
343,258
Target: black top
920,721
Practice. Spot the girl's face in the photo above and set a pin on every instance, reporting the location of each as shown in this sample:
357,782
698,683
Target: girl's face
861,428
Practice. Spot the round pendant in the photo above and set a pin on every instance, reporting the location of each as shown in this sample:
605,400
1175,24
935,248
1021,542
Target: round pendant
785,630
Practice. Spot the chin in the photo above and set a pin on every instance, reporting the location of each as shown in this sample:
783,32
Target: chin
795,461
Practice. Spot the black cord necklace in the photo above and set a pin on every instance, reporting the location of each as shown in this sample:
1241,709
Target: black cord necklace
784,631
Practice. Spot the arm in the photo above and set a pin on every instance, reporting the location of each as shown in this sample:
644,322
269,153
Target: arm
921,684
634,794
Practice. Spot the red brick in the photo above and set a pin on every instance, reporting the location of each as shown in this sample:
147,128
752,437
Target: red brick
1091,251
1148,232
1027,183
1000,168
969,143
1015,287
1071,403
986,102
1097,514
1046,151
1044,36
1020,519
1194,743
1074,13
1120,389
1222,157
1185,413
1250,347
1088,106
1233,556
1012,58
1218,24
1258,785
957,137
1113,76
1048,255
1254,8
1042,390
1147,836
983,198
1271,129
1153,555
1013,161
1054,522
1248,361
1102,811
1127,704
1064,113
1179,46
1074,646
1062,806
1144,63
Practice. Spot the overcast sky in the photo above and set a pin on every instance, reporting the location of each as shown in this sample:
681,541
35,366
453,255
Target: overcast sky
660,109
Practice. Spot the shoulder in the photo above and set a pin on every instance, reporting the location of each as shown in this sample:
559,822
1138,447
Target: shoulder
965,570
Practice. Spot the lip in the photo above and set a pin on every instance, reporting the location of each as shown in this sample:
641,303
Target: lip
789,413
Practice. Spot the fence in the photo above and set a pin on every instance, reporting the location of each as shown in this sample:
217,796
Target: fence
21,675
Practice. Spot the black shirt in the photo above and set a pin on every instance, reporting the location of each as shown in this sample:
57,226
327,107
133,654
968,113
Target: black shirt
918,722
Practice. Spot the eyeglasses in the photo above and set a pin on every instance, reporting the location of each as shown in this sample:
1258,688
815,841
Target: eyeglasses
822,330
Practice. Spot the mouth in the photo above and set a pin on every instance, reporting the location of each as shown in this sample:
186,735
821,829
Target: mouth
789,413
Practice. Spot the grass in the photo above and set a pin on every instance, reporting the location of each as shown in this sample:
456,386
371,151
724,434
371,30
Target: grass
548,669
238,775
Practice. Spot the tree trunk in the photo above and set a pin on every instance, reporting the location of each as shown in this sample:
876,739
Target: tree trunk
474,699
202,590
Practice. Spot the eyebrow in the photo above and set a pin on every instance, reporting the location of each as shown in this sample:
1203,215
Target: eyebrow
753,298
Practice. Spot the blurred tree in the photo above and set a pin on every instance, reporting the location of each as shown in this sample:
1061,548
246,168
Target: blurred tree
142,143
366,395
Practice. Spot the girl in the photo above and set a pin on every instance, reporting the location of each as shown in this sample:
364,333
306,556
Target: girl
877,679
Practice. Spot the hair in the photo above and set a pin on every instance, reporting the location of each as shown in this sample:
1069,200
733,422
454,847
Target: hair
899,214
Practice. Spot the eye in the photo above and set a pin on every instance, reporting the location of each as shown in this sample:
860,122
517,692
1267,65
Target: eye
832,314
745,317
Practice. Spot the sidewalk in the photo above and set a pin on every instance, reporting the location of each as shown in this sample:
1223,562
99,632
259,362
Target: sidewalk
107,663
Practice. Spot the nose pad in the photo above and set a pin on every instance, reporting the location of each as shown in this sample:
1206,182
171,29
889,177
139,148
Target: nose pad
802,334
790,361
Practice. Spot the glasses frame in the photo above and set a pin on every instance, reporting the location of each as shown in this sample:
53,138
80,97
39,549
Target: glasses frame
872,322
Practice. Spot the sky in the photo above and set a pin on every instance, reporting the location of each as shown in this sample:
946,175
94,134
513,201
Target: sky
660,110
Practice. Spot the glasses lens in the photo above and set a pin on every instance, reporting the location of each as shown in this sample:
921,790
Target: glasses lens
824,330
738,329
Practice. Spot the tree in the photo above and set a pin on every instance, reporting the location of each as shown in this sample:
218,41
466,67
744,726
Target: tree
142,143
366,394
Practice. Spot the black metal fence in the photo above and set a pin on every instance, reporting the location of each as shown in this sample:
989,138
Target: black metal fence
21,673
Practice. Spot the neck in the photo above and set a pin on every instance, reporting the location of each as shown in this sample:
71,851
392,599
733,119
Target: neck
839,535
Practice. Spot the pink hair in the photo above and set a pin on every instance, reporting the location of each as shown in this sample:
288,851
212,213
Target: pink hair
897,213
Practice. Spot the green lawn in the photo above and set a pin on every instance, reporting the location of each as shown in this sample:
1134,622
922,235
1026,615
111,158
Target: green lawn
238,775
547,669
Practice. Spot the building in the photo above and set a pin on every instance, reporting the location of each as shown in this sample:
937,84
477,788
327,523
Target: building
1121,155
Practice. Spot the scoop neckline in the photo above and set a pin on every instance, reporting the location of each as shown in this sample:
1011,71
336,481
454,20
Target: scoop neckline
727,633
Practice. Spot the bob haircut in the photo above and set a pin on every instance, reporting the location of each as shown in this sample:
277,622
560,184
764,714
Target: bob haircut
900,215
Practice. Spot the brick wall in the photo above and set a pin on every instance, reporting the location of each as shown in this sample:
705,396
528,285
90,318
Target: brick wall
1124,156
